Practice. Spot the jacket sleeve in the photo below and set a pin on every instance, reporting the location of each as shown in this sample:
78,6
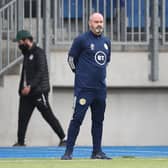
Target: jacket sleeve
109,53
21,82
74,53
40,68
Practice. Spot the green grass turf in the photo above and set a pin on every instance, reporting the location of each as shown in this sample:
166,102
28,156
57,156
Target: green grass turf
84,163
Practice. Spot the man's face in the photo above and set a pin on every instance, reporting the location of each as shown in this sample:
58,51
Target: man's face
23,45
96,23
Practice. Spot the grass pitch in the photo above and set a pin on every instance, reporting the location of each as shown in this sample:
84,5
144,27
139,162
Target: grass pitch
85,163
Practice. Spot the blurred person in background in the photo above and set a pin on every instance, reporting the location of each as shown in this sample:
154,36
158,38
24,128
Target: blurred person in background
34,88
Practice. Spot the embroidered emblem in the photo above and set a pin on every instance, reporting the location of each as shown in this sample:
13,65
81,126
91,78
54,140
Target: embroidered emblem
105,46
31,57
92,46
82,101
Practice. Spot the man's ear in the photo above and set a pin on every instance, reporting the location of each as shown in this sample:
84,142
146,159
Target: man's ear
89,23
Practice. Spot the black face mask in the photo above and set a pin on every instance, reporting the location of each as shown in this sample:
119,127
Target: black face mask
24,48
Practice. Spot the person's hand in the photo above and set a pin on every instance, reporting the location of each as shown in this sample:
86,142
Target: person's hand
26,90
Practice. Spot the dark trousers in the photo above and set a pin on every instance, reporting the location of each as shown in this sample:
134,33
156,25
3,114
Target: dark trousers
96,101
26,107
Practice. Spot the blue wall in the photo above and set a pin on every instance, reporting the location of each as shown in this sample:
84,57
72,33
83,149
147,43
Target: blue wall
108,10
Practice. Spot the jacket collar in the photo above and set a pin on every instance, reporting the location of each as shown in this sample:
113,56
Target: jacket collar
94,35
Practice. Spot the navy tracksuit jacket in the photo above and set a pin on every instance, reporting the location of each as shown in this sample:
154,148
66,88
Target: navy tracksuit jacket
88,58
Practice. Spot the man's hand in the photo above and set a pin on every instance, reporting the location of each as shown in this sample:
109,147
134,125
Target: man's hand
26,90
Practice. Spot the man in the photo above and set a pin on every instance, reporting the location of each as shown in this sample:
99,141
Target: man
34,88
88,58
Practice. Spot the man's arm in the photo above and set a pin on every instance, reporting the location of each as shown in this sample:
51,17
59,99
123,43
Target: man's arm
71,63
40,63
109,53
74,53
